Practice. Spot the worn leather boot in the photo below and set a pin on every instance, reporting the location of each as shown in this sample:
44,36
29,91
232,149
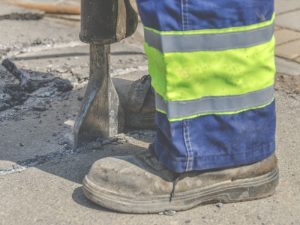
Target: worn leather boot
140,184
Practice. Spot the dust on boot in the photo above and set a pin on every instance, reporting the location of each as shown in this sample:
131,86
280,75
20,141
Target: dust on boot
140,184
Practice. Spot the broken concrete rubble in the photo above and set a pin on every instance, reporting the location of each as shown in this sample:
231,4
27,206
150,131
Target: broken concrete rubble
22,76
31,85
138,93
62,85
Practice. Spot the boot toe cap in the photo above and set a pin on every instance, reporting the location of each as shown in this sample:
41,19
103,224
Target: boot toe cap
126,175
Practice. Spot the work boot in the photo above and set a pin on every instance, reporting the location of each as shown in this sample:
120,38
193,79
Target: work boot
140,184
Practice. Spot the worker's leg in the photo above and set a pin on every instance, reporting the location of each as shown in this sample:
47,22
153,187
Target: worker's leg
212,69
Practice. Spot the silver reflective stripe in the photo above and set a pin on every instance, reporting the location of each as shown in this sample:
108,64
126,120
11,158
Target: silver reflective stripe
209,42
219,104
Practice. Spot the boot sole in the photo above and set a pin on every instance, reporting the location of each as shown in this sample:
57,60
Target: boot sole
225,192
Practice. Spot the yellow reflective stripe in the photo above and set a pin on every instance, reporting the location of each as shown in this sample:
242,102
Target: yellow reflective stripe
192,75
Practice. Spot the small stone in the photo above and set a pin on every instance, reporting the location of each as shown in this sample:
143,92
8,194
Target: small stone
4,97
66,140
63,85
39,107
3,106
45,92
106,142
169,213
67,147
219,204
259,217
21,144
37,41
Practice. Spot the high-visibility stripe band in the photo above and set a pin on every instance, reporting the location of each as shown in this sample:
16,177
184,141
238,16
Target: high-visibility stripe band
209,42
204,105
192,75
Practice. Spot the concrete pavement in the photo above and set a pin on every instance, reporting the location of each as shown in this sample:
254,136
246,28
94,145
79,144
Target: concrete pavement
40,175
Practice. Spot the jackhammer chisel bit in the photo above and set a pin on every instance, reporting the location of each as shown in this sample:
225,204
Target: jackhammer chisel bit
103,22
